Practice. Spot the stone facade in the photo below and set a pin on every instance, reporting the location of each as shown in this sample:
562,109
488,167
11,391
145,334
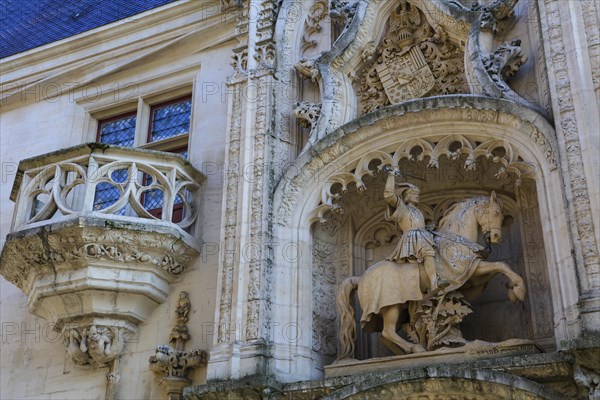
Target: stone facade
296,107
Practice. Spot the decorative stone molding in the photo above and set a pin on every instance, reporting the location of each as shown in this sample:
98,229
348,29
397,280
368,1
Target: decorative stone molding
265,54
174,363
97,272
239,61
504,62
569,122
499,114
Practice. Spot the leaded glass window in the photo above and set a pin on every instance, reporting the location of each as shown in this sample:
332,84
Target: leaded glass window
119,131
170,119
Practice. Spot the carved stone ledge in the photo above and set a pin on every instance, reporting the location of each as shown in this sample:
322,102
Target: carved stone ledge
98,273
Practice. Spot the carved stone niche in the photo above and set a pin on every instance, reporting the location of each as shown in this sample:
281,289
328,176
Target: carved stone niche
89,248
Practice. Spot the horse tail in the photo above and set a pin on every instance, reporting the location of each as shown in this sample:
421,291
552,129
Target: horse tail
347,333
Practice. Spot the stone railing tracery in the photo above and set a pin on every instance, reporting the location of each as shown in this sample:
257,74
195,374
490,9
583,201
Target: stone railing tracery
117,182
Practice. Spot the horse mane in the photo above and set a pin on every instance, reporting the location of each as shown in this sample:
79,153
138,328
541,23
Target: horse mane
459,208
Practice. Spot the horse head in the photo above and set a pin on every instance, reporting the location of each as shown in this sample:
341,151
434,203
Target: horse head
490,219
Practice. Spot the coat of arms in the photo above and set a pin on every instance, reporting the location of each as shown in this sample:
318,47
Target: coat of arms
406,76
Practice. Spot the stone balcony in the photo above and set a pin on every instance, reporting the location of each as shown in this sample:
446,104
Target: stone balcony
98,234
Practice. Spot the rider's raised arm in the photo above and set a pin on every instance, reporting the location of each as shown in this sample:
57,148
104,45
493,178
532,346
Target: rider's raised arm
389,194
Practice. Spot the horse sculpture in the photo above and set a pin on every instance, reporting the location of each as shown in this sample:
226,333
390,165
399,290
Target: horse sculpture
388,287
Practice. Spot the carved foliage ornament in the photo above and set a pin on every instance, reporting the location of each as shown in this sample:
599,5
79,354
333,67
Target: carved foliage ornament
69,248
412,60
312,24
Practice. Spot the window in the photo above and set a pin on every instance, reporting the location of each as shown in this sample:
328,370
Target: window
170,119
168,126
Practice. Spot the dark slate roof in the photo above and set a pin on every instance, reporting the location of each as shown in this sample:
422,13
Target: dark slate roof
26,24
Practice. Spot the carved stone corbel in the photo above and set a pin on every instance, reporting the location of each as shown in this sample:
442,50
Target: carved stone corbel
96,345
504,63
307,68
174,362
307,113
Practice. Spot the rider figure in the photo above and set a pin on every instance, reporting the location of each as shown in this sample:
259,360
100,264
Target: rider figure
416,243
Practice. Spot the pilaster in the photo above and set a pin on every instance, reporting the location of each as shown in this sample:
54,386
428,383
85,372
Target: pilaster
571,44
240,347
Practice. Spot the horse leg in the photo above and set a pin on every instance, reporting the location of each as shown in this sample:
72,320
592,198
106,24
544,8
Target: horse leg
390,315
517,285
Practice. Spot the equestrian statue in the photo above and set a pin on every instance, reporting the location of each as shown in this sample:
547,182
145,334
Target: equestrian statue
431,273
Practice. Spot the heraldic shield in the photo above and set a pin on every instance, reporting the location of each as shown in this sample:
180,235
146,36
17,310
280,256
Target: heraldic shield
406,76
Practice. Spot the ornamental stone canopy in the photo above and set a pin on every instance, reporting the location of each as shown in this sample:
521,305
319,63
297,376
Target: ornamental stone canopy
97,267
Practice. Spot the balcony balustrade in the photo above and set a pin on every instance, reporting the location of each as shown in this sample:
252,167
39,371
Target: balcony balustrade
98,234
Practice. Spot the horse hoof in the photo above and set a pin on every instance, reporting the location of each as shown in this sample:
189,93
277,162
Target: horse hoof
417,348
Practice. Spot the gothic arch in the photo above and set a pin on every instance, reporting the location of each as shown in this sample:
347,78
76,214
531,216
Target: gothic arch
477,119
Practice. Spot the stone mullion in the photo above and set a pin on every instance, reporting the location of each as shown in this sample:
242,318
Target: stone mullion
582,228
